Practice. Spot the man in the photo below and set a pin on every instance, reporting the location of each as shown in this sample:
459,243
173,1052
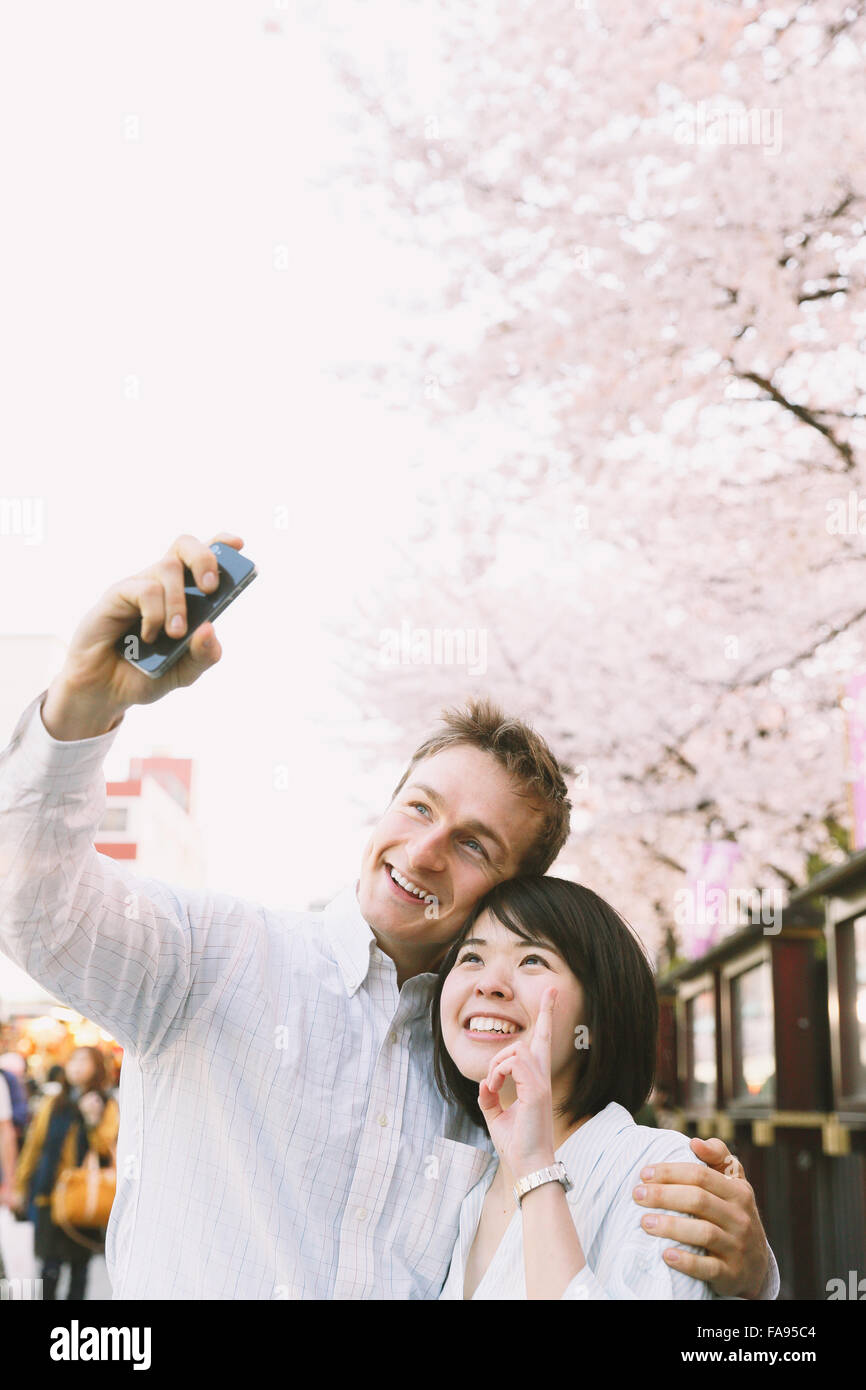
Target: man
281,1135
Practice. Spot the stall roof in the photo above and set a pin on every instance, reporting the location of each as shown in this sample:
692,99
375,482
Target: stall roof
837,876
805,916
752,931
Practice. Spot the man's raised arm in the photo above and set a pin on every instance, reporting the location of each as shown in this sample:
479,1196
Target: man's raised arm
125,951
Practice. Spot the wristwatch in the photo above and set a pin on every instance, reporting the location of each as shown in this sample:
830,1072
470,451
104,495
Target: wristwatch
555,1173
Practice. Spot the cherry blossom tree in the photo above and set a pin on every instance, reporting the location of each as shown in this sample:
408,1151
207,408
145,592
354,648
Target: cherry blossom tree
641,360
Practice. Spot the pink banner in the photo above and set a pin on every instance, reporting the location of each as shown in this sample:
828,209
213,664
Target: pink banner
706,909
855,707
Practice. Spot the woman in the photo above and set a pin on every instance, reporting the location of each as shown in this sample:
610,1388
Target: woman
80,1116
544,1021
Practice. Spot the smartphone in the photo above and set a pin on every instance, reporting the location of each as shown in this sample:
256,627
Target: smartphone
235,572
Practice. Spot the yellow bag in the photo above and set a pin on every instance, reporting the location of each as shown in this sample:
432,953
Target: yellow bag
83,1197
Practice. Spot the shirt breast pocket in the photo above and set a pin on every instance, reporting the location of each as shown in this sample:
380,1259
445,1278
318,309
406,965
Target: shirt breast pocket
451,1169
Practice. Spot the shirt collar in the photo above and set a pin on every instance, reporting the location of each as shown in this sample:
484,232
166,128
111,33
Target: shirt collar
351,937
354,942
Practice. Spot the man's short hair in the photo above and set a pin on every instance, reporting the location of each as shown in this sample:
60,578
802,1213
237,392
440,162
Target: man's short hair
535,772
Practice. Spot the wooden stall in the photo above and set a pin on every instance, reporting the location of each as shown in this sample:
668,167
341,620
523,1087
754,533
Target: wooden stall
770,1050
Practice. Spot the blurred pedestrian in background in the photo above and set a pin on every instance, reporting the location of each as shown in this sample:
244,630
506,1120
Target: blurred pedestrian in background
54,1080
80,1116
668,1115
14,1071
8,1151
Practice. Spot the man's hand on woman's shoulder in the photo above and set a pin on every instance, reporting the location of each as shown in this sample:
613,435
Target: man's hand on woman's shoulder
722,1217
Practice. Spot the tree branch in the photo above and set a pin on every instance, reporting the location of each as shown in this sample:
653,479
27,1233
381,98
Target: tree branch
803,413
662,858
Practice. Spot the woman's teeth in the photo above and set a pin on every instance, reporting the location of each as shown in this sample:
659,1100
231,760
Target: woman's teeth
492,1025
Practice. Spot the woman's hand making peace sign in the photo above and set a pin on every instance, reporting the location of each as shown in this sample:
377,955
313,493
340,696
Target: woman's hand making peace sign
523,1131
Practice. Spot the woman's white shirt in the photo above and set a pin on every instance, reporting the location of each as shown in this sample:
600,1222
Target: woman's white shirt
603,1159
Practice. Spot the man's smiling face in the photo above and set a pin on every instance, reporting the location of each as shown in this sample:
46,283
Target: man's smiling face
456,828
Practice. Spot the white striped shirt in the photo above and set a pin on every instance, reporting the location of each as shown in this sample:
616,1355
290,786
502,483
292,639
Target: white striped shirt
281,1135
603,1160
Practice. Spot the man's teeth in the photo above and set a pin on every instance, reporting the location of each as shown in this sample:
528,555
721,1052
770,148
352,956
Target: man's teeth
491,1025
410,887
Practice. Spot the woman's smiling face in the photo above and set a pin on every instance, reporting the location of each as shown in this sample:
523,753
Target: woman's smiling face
493,993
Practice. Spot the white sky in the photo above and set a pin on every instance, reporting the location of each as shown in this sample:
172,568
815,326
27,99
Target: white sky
153,258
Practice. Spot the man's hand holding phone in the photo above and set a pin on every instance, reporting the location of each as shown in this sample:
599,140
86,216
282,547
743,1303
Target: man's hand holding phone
97,684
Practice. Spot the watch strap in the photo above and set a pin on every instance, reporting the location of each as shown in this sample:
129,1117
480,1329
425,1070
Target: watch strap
554,1173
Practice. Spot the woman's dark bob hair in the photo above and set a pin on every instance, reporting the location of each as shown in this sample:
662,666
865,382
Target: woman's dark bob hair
620,1004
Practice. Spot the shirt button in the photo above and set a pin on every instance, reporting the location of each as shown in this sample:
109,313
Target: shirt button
361,1213
383,1119
392,1037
